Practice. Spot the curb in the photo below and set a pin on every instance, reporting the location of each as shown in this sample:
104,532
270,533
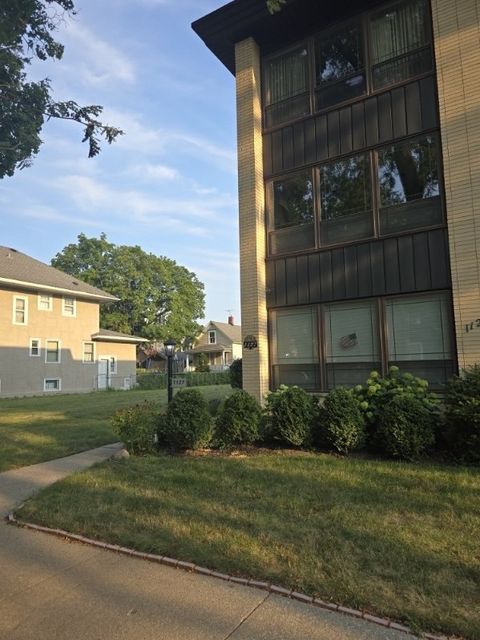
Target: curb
193,568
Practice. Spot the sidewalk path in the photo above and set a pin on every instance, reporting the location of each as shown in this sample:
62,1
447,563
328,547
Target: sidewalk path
57,590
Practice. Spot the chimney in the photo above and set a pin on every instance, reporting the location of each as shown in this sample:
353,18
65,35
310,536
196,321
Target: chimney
231,320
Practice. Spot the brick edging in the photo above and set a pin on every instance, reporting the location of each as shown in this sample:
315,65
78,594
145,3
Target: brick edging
189,566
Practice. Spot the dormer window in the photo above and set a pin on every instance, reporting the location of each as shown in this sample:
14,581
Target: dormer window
212,337
69,307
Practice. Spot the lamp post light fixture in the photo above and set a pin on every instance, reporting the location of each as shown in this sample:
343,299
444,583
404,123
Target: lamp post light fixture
169,352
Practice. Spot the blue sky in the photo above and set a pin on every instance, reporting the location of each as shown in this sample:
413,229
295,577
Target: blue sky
168,185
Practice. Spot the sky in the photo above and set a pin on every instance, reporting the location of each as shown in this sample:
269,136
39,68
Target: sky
169,184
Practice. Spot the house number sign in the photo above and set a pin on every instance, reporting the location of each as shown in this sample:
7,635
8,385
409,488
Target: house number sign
250,342
472,325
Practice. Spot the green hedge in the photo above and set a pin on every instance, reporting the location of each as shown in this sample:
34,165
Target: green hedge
159,380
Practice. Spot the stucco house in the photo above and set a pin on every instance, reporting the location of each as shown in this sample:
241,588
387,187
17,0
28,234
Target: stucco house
221,342
50,336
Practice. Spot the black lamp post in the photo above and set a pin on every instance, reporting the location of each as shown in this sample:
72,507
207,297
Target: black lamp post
169,351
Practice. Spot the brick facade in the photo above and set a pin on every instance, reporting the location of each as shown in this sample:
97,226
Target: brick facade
252,216
456,25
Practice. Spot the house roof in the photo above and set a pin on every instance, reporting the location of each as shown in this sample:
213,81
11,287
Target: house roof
223,28
19,270
232,331
214,348
105,335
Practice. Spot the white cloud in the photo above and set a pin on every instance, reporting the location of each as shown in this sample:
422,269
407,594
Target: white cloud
96,61
154,172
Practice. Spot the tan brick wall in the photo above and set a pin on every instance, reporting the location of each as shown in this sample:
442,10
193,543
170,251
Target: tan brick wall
252,216
456,25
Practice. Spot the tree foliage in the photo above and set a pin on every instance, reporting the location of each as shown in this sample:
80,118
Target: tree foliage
26,32
159,299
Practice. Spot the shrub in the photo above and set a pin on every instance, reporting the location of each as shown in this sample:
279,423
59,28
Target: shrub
378,391
136,426
238,420
341,424
158,380
202,365
288,416
236,374
188,422
406,428
462,413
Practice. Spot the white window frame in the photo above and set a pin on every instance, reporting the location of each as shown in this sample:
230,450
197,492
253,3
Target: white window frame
84,342
210,333
50,302
64,312
25,311
59,342
113,364
39,347
45,380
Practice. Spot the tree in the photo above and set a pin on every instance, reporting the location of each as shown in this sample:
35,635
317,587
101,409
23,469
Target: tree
275,5
159,299
26,32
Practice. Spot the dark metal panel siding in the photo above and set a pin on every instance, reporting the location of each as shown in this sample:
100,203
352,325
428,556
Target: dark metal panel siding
439,259
379,119
291,281
346,133
321,137
299,144
414,112
333,128
407,264
287,148
385,125
302,280
423,280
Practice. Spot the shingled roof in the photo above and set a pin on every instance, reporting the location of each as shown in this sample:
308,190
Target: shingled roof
232,331
19,270
115,336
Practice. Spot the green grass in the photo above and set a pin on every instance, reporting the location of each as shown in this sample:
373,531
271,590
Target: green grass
43,428
400,540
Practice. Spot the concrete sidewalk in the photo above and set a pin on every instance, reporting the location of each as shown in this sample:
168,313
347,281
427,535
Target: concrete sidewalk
56,590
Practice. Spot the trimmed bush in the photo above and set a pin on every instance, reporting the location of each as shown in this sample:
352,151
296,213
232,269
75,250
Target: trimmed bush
236,374
341,424
158,380
202,365
462,416
288,416
238,420
377,392
136,427
188,423
406,428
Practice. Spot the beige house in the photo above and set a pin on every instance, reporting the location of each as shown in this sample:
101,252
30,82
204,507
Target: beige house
221,342
50,338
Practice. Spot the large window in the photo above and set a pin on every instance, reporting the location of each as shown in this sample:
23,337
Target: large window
346,200
340,66
295,354
408,177
419,336
293,214
286,80
89,352
351,342
387,47
411,332
52,351
400,43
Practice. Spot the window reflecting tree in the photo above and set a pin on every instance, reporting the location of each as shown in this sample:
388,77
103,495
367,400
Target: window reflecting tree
293,201
345,187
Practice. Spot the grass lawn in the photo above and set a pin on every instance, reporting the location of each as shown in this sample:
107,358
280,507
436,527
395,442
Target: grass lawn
401,540
43,428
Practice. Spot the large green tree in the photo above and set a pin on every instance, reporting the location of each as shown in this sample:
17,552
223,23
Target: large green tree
159,299
26,33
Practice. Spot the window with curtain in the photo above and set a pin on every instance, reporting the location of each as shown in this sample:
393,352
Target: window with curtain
408,175
286,87
419,336
293,213
401,43
340,66
346,200
295,361
352,347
